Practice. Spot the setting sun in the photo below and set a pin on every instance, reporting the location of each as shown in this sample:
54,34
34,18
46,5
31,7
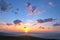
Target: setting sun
26,29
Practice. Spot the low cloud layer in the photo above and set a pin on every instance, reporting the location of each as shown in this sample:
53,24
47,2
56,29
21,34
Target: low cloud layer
9,24
42,27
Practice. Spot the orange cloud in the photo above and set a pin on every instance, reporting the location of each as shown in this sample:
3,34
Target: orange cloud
20,28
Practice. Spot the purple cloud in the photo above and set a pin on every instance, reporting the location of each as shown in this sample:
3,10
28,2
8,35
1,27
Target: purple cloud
42,27
45,20
33,9
17,22
8,24
28,4
56,24
4,6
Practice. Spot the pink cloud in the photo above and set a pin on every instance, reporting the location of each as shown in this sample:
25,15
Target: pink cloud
51,3
42,11
33,9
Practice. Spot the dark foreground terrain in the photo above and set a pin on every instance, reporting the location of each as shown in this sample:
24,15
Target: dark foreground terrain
22,38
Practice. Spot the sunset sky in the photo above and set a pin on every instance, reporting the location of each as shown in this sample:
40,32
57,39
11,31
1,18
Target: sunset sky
35,15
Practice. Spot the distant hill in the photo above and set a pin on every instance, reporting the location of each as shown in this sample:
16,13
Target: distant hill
3,33
7,36
22,38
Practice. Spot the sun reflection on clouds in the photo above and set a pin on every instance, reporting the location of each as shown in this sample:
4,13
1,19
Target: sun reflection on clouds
27,27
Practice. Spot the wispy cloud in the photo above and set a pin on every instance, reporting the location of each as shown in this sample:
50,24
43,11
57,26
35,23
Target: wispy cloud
42,27
28,5
15,11
9,24
33,9
51,3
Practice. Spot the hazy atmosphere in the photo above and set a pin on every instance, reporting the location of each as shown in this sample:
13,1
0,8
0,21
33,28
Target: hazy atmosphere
40,18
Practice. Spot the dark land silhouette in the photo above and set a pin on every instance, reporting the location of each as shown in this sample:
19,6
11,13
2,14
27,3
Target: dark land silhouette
22,38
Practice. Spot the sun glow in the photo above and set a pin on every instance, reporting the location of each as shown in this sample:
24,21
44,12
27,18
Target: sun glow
26,29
